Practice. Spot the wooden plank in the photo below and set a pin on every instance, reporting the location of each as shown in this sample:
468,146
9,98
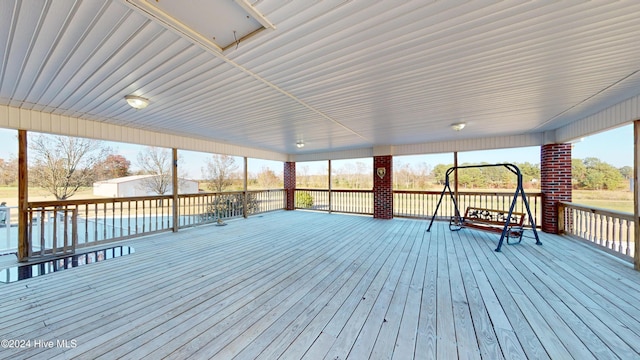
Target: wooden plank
466,341
445,329
486,337
405,346
262,332
120,319
583,311
313,333
427,335
121,316
343,311
91,298
386,342
349,333
261,288
173,330
515,335
539,298
310,323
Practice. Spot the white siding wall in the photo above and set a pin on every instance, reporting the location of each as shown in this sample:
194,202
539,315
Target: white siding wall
134,188
620,114
15,118
105,189
31,120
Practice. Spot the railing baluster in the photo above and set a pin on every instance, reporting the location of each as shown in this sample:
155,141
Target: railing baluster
628,237
604,232
607,228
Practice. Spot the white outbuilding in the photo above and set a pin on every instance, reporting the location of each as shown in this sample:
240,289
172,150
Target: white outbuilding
139,185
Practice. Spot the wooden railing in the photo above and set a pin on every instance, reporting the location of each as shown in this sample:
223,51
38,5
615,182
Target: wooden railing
53,231
422,204
609,229
413,204
343,201
102,220
95,221
196,209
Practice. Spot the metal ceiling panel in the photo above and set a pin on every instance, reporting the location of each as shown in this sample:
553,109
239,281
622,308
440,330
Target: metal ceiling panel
339,75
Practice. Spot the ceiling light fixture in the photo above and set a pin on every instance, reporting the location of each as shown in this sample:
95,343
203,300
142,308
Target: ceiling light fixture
137,102
458,126
300,144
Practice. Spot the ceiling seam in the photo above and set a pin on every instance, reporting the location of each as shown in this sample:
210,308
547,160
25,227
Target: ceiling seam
587,99
149,11
286,93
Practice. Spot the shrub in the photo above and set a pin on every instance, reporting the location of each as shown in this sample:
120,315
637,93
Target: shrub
304,200
229,205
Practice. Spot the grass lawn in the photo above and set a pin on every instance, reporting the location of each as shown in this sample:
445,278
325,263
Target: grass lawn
613,200
10,194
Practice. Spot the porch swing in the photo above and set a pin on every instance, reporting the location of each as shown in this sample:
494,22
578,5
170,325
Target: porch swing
509,225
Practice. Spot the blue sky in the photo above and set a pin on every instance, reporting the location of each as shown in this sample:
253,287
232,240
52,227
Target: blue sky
614,147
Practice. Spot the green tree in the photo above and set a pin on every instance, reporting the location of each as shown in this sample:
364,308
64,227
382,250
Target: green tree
578,173
626,172
470,178
594,174
439,172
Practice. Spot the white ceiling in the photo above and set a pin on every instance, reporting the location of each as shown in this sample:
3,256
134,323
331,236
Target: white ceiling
338,75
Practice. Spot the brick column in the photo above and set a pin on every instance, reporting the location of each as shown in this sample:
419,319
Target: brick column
555,182
383,187
290,185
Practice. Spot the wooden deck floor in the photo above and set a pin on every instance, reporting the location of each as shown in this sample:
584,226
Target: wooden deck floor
300,285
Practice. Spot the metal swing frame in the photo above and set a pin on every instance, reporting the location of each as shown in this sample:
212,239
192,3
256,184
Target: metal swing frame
519,192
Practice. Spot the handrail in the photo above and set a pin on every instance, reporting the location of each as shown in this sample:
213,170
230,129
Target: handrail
611,230
410,203
599,210
109,219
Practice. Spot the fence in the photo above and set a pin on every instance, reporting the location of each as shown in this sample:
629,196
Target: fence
422,204
344,201
413,204
52,231
60,227
56,227
609,229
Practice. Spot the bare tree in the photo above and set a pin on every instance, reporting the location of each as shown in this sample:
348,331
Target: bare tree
9,171
62,164
267,179
219,171
157,162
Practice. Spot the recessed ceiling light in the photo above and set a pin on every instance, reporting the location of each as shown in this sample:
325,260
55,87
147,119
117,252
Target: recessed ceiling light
458,126
137,102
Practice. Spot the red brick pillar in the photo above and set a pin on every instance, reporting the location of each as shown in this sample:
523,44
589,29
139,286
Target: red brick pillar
290,185
555,182
383,187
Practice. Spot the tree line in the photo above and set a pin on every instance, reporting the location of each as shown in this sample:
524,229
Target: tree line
62,165
588,174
